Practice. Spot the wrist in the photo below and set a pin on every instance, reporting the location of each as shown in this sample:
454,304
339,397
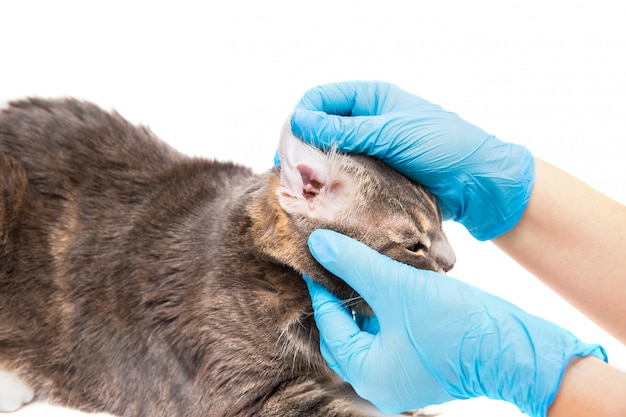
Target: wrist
535,356
492,201
590,387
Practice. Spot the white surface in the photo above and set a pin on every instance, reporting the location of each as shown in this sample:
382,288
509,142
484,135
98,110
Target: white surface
218,78
13,392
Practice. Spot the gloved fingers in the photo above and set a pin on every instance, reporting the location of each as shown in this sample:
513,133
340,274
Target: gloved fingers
333,319
348,357
359,134
276,159
331,360
381,281
351,98
368,324
343,344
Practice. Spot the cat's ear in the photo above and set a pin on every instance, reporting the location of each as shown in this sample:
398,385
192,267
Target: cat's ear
303,168
309,184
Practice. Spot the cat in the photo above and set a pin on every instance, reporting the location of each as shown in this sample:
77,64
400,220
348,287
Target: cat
137,281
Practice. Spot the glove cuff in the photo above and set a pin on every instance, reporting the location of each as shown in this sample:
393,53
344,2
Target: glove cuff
532,370
539,407
493,201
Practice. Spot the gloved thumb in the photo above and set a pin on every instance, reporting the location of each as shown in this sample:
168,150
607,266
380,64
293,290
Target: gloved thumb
338,330
361,267
355,134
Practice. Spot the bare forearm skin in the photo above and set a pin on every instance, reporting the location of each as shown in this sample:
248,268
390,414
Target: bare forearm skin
573,238
590,387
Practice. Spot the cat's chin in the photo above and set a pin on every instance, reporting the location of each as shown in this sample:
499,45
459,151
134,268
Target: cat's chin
350,298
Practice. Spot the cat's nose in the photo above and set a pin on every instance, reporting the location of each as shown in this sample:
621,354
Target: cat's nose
443,254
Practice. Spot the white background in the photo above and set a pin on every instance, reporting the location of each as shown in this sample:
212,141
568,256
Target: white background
218,78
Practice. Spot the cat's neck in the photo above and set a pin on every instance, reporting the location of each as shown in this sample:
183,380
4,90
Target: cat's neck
270,229
279,237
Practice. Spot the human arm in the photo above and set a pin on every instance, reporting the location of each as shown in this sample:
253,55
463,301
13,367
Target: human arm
479,180
434,338
590,387
573,238
569,235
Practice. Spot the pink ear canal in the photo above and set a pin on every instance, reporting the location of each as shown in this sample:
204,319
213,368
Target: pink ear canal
310,185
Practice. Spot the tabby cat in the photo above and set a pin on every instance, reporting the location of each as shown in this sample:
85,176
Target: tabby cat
137,281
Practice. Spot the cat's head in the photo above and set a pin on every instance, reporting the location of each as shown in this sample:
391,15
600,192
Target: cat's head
360,197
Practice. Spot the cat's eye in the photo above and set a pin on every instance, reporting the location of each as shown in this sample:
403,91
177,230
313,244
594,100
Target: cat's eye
414,247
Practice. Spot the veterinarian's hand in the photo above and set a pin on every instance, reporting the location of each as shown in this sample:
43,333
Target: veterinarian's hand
480,181
435,338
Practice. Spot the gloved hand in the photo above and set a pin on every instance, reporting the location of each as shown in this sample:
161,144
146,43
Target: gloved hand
433,338
480,181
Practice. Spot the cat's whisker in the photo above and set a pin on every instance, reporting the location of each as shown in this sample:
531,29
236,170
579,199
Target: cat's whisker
177,275
347,303
353,301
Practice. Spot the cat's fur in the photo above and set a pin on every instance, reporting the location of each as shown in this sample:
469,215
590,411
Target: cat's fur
140,282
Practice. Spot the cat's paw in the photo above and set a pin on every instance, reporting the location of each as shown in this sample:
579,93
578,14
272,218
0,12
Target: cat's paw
430,411
14,392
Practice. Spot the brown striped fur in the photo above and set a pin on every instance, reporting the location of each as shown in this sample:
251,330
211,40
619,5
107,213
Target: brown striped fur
138,281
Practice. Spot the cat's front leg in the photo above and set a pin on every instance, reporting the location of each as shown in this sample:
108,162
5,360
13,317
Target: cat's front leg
14,392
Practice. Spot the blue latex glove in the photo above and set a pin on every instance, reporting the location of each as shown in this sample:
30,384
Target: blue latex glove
480,181
433,338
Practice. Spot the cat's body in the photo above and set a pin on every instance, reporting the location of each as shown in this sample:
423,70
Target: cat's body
140,282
